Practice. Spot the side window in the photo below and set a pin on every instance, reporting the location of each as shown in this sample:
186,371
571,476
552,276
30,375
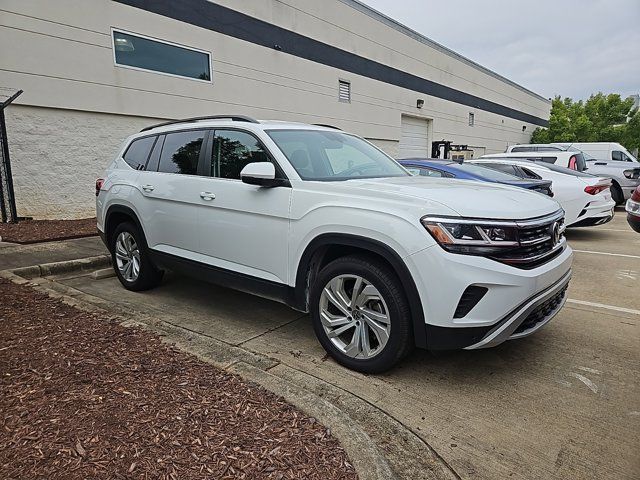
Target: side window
548,149
427,172
138,152
503,168
232,151
415,171
544,159
621,156
181,151
526,173
154,158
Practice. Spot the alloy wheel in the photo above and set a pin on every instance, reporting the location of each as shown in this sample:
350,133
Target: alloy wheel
354,316
127,256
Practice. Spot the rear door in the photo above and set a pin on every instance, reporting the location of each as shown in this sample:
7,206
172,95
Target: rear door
243,227
169,190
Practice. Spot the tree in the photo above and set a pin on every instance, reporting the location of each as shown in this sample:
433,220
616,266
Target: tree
602,118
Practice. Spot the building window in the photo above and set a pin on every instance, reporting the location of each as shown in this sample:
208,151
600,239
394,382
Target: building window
135,51
344,91
472,119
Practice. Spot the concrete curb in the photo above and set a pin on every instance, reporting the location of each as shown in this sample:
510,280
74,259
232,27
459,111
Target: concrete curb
378,446
57,268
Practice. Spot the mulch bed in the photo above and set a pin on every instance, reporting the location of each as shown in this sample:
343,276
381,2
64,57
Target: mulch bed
84,397
33,231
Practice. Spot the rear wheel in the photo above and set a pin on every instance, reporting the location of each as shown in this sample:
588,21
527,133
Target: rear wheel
616,194
130,258
361,315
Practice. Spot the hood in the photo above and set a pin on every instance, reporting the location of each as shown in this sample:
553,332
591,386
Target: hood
466,198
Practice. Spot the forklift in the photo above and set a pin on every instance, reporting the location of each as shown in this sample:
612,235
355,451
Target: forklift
446,150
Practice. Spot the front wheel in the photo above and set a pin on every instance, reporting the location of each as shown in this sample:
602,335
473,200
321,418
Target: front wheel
361,315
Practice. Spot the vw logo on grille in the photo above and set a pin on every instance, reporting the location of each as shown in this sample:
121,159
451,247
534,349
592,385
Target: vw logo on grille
555,233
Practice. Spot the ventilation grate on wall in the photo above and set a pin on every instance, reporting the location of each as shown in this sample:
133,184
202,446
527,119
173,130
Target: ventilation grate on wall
344,91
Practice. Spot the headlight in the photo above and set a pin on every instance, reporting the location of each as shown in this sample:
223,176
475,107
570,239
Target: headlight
635,173
471,236
633,207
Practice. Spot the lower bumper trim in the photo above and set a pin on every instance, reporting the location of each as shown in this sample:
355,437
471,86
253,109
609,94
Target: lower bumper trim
553,297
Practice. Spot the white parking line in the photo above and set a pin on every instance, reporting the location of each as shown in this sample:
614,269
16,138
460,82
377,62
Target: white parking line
615,230
606,307
606,253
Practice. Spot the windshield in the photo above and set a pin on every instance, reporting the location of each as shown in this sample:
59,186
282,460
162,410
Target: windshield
487,172
332,156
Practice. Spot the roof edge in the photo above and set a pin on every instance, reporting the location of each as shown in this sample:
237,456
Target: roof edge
396,25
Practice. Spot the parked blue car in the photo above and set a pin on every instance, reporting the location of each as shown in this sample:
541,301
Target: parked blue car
468,171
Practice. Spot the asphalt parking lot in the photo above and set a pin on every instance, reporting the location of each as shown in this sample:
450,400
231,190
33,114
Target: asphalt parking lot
564,403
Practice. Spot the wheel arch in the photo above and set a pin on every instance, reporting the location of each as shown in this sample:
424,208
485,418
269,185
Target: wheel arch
117,214
329,246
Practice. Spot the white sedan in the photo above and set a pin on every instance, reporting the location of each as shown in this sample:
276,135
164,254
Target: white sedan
586,199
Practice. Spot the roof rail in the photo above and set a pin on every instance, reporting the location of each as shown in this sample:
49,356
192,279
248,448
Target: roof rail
234,118
326,126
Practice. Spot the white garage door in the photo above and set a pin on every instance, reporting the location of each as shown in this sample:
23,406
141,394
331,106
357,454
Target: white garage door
414,138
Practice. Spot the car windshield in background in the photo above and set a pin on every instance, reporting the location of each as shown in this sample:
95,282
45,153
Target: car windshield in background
332,156
487,172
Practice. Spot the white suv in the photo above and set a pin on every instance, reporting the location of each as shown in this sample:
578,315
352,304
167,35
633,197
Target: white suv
327,223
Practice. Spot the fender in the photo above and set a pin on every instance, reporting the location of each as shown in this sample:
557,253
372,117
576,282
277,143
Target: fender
123,210
316,248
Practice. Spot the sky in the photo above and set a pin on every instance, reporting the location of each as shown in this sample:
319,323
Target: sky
571,48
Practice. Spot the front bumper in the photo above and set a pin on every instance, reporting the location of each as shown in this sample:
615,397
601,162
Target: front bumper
512,294
532,315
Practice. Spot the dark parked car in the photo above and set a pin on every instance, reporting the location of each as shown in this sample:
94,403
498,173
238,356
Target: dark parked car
633,210
468,171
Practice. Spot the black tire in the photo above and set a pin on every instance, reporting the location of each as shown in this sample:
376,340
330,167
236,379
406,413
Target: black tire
384,279
149,275
616,194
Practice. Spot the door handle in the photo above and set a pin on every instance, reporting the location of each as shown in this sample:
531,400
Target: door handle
207,196
148,188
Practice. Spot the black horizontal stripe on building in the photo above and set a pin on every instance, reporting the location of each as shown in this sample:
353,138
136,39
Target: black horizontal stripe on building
217,18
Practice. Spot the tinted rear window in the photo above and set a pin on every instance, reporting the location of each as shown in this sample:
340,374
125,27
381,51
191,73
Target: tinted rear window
181,152
523,149
138,152
487,172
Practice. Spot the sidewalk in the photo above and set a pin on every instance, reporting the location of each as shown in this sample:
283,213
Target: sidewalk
13,255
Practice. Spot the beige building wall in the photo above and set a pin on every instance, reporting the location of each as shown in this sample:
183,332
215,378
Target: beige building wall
78,105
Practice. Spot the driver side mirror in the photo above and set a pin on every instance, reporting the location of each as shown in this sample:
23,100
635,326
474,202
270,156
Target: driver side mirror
262,174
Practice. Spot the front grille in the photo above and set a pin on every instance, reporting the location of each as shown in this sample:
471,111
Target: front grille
538,244
541,312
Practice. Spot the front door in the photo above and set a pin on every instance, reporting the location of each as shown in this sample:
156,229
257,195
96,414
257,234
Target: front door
243,227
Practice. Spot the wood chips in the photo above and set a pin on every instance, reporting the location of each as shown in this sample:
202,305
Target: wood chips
84,397
32,231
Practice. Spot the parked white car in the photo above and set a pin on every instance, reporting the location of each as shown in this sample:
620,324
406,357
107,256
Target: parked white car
327,223
586,199
625,176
